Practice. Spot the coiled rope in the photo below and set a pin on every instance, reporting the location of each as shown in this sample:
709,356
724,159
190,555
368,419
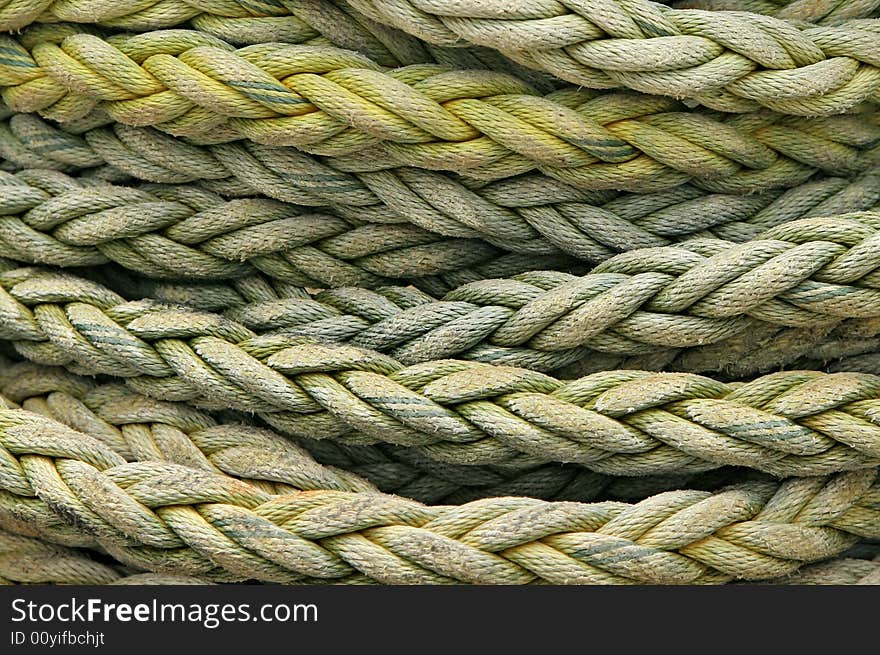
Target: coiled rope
730,61
268,263
622,423
334,102
173,519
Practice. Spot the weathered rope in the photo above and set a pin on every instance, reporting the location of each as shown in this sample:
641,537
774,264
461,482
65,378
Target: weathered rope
308,22
173,519
619,422
334,102
820,12
806,274
187,232
731,61
175,231
844,571
25,560
143,429
529,214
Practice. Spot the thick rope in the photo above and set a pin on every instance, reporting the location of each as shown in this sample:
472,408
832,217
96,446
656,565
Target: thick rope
173,519
143,429
528,215
731,61
619,423
187,232
844,571
805,274
338,103
820,12
175,232
308,22
25,560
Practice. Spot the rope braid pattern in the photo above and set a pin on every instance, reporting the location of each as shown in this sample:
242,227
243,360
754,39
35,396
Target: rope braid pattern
143,429
168,518
803,275
820,12
186,232
338,103
307,22
843,571
618,422
529,214
24,560
731,61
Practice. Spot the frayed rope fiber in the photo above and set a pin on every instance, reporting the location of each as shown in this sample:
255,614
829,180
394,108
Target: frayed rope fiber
439,292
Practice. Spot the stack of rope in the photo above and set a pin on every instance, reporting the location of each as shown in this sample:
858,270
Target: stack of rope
423,292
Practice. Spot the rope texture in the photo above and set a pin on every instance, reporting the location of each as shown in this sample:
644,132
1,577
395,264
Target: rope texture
332,250
530,214
169,518
802,275
24,560
618,422
143,429
339,103
730,61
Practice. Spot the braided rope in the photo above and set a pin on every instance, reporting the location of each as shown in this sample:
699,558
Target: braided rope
731,61
804,275
619,422
338,103
526,215
25,560
186,232
169,518
308,22
843,571
820,12
143,429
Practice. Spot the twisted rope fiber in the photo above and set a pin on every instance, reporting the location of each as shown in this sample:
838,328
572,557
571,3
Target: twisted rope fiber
527,215
309,22
168,518
415,327
187,232
805,274
820,12
144,429
141,429
718,51
731,61
334,102
619,422
843,571
24,560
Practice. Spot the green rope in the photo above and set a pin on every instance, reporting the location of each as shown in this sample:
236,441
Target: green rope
529,215
143,429
338,103
804,274
173,519
618,422
25,560
187,232
731,61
